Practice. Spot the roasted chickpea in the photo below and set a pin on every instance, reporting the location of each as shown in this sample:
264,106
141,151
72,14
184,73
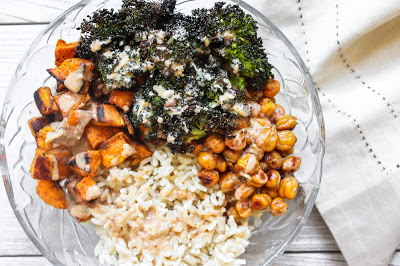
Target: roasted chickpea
208,178
267,107
260,201
255,109
243,208
232,156
216,143
291,164
198,147
260,121
256,151
267,139
287,153
232,212
236,140
241,123
272,88
272,193
286,122
278,207
274,179
286,140
278,112
258,179
248,163
221,164
207,160
264,166
288,187
273,159
243,191
228,182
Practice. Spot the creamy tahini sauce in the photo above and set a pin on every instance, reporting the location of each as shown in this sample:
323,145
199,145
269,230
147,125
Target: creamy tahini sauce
81,162
93,192
69,100
66,134
74,81
54,175
127,150
79,211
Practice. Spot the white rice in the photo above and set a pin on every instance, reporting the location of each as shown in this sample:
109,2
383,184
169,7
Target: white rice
159,214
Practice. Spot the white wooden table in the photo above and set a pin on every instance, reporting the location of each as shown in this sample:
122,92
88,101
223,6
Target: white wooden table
20,22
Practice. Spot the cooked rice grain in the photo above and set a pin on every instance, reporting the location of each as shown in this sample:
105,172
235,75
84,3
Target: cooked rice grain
159,214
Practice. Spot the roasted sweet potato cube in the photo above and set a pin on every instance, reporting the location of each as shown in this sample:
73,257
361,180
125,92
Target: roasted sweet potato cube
62,155
84,189
44,101
69,101
64,51
41,137
116,150
141,152
96,135
74,73
44,166
122,99
107,115
39,122
86,163
121,147
51,193
88,189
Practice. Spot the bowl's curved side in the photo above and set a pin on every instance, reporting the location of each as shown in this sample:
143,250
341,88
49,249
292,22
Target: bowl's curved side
12,131
68,242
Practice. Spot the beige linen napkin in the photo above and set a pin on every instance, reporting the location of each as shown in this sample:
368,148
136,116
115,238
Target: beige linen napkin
352,48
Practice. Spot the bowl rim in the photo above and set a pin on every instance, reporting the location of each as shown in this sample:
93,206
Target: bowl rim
314,97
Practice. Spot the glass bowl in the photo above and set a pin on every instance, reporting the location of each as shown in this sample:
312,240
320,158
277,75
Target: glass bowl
61,239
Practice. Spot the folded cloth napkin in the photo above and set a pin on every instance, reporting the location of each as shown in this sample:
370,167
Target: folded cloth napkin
352,48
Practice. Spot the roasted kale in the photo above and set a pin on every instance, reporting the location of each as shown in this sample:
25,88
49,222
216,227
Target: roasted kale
198,66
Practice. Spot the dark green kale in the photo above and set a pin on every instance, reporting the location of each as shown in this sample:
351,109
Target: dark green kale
233,35
126,24
198,66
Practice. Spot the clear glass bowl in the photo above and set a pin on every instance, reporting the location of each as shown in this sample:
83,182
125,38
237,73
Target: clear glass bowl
66,242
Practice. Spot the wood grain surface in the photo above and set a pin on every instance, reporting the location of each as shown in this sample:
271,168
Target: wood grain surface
20,23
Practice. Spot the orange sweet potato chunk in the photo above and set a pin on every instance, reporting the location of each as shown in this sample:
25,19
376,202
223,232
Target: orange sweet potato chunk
72,67
64,51
44,166
39,122
51,193
112,150
121,147
86,163
44,101
122,99
107,115
88,189
41,136
141,152
96,135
